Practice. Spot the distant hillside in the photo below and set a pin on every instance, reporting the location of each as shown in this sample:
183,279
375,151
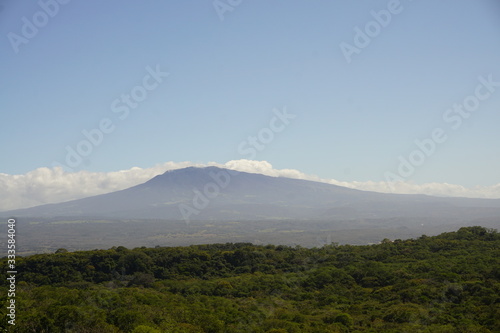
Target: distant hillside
213,193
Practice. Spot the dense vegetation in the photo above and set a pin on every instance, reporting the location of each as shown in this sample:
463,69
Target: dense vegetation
447,283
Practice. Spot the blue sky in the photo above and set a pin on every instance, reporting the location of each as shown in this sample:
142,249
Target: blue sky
353,120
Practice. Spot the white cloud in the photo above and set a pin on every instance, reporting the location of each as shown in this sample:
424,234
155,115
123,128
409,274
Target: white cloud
53,185
435,189
46,185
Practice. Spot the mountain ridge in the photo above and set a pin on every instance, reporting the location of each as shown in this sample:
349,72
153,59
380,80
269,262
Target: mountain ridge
208,193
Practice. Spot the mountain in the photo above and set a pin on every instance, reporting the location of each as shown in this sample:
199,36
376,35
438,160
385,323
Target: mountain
213,193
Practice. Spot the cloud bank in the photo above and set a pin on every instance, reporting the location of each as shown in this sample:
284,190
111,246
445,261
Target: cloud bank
52,185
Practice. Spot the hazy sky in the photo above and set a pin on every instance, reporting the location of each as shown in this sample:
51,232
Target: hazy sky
337,89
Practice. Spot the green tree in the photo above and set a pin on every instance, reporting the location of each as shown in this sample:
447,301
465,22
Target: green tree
145,329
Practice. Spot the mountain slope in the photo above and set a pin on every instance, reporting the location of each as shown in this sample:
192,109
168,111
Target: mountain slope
215,193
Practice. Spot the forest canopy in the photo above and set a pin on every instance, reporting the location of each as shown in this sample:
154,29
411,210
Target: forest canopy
446,283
